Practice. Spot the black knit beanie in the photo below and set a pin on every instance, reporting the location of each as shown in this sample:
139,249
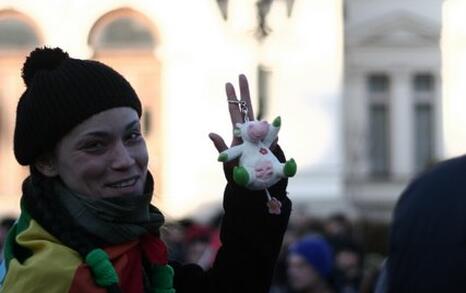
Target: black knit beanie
61,93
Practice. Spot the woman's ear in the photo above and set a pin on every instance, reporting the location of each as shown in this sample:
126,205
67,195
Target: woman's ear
46,165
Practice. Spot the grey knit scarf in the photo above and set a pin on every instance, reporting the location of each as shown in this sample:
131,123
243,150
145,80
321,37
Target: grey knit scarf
114,220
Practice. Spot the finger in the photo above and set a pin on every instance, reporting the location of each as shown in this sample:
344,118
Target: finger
245,96
233,108
218,141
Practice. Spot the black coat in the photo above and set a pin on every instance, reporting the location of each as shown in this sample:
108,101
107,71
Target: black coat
428,235
251,241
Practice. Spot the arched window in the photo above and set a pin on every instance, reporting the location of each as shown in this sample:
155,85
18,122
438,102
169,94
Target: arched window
17,32
123,30
14,34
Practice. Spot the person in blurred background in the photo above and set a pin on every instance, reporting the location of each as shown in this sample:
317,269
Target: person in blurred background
173,234
337,227
348,271
199,244
86,222
5,225
189,241
310,264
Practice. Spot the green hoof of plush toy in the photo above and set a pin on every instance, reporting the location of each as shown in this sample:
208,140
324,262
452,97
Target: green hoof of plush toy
240,176
223,157
290,168
277,122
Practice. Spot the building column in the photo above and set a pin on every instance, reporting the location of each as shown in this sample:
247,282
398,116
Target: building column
401,117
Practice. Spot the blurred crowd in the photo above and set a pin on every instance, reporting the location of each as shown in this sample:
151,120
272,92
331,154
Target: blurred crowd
325,256
318,255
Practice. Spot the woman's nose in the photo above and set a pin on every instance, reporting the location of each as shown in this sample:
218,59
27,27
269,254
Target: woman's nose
121,157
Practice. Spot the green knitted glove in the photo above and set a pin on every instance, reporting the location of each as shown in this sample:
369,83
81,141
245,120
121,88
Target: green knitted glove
162,278
101,267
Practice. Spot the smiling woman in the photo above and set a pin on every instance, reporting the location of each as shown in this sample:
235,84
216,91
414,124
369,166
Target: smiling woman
87,223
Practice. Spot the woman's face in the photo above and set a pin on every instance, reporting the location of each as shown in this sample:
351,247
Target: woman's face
104,156
301,275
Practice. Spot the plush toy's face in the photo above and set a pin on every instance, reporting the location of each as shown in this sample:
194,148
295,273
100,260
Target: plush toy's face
253,131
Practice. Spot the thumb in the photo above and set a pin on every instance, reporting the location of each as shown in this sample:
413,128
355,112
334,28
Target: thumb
218,141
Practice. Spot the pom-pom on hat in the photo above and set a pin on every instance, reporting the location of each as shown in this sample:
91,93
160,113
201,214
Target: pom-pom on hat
317,252
61,93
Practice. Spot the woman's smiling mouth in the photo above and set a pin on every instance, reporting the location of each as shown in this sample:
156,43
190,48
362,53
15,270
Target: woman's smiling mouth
124,183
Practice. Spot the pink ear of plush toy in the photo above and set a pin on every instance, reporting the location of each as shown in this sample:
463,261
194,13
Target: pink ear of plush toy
258,167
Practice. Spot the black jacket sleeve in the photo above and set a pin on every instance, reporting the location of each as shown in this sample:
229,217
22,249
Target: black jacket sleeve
251,240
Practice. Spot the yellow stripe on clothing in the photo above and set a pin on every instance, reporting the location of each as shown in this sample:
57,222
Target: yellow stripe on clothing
50,269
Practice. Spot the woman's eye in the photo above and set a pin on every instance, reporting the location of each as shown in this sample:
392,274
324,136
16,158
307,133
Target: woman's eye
134,136
93,146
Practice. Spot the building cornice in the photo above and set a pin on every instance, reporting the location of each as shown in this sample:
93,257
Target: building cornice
399,29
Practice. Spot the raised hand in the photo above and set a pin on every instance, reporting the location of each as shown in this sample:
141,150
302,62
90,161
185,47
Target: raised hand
235,114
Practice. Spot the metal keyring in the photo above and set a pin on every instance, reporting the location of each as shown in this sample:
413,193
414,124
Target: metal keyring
243,108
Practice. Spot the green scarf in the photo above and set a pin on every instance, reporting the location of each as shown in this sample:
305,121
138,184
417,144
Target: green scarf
114,219
111,220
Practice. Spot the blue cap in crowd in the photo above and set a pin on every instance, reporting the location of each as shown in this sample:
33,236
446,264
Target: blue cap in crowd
316,251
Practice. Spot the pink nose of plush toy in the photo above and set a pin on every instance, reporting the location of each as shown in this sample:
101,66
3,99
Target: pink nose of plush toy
258,130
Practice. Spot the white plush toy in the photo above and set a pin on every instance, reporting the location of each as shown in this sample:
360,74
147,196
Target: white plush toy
258,167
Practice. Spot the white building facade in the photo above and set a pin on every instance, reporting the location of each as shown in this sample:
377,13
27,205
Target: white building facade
392,99
359,84
178,55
